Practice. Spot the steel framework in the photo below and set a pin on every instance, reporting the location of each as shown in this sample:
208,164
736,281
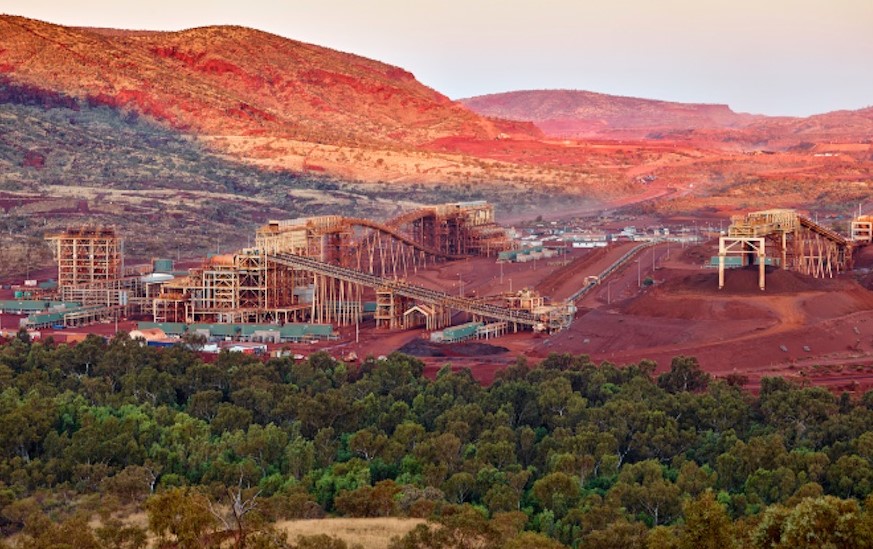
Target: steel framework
797,242
862,229
393,297
321,269
87,255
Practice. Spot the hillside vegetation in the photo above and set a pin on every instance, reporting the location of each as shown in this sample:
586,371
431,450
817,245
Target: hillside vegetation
67,161
228,80
569,453
255,96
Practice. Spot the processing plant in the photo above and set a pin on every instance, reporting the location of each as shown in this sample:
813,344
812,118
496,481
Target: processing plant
324,270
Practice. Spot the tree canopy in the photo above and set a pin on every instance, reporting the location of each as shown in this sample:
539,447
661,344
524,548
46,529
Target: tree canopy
568,453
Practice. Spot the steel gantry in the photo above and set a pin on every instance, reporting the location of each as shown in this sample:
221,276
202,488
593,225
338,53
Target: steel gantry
263,284
391,293
795,242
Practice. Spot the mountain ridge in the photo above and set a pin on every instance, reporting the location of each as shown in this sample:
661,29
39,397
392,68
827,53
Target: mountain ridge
581,113
584,114
231,79
277,104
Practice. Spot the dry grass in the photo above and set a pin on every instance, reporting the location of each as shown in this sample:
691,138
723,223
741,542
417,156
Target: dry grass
371,533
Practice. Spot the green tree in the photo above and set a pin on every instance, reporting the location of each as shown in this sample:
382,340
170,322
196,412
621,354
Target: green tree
707,524
685,375
621,533
528,540
181,516
557,492
823,523
643,488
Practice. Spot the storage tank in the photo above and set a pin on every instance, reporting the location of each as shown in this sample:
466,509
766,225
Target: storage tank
156,278
162,266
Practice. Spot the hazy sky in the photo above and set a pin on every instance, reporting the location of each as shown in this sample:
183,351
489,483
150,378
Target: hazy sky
795,57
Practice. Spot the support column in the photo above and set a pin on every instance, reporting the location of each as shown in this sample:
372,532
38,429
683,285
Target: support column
762,260
744,246
784,252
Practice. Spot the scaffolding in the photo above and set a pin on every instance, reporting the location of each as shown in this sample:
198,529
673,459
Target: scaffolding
91,271
86,255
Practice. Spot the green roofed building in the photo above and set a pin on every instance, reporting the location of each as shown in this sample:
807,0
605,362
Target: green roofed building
730,261
454,334
293,333
27,306
175,329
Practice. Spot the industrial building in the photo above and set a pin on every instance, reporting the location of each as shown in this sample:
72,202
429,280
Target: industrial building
325,269
790,240
310,272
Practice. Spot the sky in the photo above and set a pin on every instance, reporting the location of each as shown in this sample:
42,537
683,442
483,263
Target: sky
776,57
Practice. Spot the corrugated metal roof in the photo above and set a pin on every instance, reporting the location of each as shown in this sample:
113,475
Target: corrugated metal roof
288,331
45,318
169,328
218,330
35,304
460,331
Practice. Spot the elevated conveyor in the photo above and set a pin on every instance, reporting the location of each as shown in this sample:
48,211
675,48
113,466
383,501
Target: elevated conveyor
793,241
418,293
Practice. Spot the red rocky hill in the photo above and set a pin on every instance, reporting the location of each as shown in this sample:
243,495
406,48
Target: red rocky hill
572,113
237,81
583,114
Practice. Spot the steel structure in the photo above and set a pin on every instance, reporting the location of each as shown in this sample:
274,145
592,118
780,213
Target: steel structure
862,229
394,296
394,248
796,242
234,288
87,255
321,268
